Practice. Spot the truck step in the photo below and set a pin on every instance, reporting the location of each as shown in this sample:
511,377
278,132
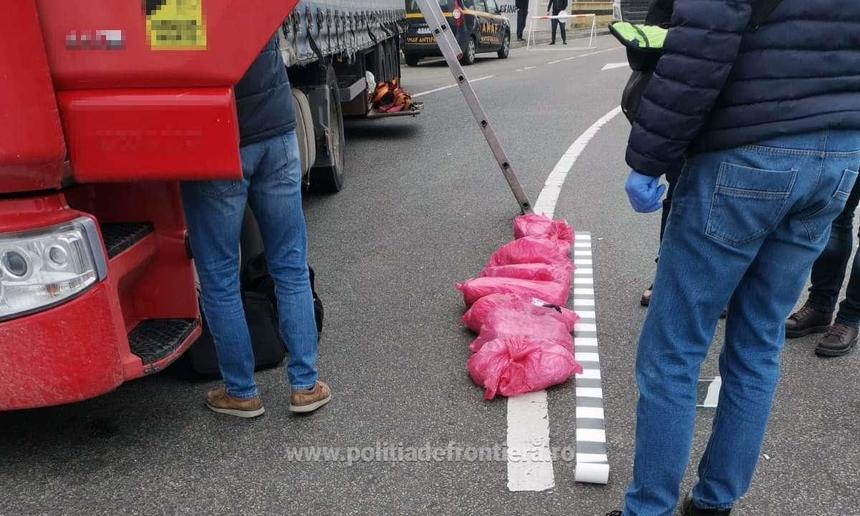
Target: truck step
120,236
154,339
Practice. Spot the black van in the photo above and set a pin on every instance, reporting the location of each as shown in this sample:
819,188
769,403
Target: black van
478,25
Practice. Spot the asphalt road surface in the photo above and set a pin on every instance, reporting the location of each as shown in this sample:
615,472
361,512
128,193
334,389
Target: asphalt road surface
424,206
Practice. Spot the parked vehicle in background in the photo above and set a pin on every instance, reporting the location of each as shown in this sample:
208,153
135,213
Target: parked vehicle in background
478,25
633,11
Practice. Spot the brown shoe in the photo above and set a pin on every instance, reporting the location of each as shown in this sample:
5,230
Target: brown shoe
219,401
807,320
310,400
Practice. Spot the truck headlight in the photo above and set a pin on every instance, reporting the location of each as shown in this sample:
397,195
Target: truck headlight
42,268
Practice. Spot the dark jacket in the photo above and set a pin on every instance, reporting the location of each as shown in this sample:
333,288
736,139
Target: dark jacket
660,13
556,6
720,84
264,100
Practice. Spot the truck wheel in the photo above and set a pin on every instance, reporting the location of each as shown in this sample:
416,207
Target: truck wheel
470,52
327,177
304,130
505,51
411,59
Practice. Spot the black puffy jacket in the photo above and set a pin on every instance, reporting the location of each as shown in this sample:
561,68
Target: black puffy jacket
264,100
720,84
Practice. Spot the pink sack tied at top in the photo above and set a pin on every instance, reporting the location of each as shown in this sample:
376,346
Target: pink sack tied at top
534,225
516,365
526,320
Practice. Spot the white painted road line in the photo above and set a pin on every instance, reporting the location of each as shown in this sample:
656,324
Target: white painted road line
552,187
443,88
612,66
528,433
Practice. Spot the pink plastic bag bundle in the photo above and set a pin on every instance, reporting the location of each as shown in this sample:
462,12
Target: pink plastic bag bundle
529,250
526,320
552,292
515,365
534,225
476,315
530,271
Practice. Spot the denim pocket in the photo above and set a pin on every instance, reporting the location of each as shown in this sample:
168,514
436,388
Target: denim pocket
818,222
748,202
219,188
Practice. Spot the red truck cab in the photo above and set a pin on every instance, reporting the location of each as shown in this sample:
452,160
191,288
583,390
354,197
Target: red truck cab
104,107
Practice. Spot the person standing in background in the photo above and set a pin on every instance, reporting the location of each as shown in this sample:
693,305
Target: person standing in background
522,16
828,273
554,7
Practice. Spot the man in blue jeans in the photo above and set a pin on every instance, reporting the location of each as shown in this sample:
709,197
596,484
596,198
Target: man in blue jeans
768,152
828,273
214,211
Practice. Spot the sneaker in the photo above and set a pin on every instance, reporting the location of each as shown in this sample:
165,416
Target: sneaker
645,300
688,509
614,513
310,400
839,340
219,401
807,320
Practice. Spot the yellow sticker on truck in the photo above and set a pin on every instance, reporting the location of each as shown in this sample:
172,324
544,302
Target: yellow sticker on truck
175,24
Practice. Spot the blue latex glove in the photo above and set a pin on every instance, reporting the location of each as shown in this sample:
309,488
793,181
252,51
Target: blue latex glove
645,192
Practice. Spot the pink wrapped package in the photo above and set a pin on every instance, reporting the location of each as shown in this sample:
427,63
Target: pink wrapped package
534,225
529,250
532,271
476,315
515,365
550,291
526,320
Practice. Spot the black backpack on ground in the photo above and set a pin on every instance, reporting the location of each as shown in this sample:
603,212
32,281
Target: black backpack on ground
260,302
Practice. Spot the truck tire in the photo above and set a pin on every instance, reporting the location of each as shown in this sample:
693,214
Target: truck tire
327,174
304,130
411,59
469,53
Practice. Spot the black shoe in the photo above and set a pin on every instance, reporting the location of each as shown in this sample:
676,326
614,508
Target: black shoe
520,39
688,509
645,300
553,43
839,340
807,320
614,513
564,42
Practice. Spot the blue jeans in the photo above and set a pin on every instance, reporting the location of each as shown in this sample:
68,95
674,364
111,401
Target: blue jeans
214,212
828,273
745,227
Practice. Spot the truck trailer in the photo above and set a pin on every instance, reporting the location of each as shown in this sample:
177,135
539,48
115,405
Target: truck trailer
105,107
